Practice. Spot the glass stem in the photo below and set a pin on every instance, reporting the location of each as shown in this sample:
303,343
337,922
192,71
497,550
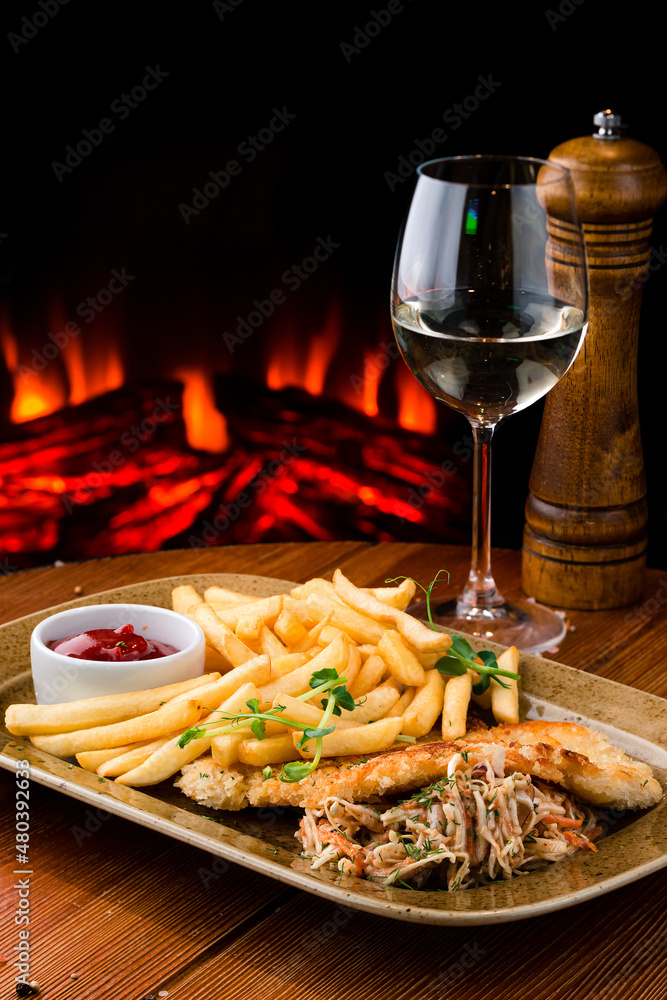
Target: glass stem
480,590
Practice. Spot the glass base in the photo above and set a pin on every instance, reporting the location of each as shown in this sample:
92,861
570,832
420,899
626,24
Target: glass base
529,626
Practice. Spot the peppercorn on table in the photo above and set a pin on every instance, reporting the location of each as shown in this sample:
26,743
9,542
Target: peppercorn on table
121,912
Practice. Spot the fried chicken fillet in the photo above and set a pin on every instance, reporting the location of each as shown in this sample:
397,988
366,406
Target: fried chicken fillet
575,758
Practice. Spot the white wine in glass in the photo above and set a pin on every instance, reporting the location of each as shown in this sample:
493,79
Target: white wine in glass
488,319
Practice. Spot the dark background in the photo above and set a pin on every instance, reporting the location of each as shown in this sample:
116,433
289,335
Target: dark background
228,68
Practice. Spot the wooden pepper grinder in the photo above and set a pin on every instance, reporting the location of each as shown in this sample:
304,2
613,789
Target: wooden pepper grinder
584,542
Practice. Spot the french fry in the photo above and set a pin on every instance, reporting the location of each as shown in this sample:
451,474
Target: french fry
285,664
391,681
375,705
183,598
256,671
270,644
369,676
397,597
290,629
168,719
329,633
228,615
367,649
426,706
220,636
483,700
227,598
274,750
362,740
73,716
412,630
358,626
214,662
455,708
316,585
400,660
224,749
264,612
301,610
170,758
334,657
92,759
353,664
132,757
427,660
402,704
312,637
505,701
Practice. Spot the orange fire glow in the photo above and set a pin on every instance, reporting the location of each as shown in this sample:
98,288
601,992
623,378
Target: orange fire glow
36,392
93,375
416,407
39,384
305,366
322,348
206,427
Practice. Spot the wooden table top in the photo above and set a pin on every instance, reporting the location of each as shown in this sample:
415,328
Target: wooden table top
123,913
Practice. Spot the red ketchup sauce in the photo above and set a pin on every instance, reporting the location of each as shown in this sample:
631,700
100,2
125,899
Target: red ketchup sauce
111,644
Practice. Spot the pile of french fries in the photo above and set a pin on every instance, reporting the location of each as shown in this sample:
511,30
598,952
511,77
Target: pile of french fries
267,649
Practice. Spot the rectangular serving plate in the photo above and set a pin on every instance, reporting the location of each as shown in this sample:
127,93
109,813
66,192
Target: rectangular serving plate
263,840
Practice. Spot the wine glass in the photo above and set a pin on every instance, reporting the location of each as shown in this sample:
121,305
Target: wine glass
488,316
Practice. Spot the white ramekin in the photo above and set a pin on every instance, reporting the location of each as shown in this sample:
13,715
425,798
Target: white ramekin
58,678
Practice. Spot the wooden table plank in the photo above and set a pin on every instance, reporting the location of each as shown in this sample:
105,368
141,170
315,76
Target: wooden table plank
119,903
332,951
21,593
116,905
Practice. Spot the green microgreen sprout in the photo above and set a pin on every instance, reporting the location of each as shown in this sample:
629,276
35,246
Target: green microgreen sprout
427,590
461,657
320,682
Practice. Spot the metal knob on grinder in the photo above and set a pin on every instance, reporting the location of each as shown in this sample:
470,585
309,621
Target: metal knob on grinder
585,537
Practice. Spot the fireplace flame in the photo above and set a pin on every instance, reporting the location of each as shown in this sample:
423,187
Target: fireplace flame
92,376
305,364
36,393
416,407
206,427
40,385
